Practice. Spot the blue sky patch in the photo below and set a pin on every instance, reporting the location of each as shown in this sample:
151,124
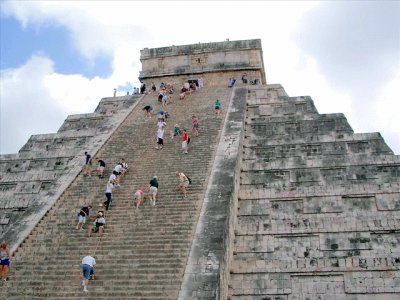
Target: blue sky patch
17,45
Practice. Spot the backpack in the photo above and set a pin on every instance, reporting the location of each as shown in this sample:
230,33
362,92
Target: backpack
190,180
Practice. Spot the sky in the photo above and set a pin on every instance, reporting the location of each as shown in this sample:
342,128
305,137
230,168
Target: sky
59,58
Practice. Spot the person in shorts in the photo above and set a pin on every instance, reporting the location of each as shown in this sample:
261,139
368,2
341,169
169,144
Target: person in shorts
138,197
83,215
5,255
101,166
183,182
147,111
118,169
88,264
195,126
153,190
98,224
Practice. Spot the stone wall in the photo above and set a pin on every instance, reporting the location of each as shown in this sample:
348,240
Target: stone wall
318,206
207,270
214,79
231,57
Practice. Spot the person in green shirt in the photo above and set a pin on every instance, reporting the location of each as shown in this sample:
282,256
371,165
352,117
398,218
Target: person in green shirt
217,107
176,131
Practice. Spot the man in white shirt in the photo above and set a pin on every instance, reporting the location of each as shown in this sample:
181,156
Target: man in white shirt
112,178
160,138
88,264
117,172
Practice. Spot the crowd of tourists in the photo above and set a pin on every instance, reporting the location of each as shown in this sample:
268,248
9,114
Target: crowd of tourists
98,224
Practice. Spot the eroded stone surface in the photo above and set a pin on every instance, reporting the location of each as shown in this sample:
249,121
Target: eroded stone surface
318,206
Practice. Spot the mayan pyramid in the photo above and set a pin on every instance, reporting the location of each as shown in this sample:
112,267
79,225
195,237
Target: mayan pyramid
285,203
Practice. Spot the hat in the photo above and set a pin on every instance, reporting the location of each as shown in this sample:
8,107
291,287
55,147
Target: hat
155,177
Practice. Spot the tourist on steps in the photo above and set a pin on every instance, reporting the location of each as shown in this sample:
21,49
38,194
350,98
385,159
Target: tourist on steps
83,215
108,192
244,78
217,107
176,131
5,256
88,265
124,165
183,182
201,82
147,111
142,88
117,172
101,166
87,168
153,190
98,225
160,137
185,141
138,197
195,126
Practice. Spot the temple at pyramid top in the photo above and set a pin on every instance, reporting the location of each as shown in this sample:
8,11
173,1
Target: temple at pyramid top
214,61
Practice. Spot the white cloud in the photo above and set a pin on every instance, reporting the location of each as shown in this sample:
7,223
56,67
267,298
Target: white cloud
36,100
26,107
384,115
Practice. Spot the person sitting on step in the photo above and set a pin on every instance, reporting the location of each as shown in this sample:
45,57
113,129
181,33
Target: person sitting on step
98,225
176,131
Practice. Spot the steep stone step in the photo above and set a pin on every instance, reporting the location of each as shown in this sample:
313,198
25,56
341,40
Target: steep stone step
143,252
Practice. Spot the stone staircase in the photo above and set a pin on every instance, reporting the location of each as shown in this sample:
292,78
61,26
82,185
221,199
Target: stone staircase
143,252
319,206
33,179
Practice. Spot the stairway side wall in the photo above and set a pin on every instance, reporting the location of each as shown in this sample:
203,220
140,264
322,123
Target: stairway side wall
207,270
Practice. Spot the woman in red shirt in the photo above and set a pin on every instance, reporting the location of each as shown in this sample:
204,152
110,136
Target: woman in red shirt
185,141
